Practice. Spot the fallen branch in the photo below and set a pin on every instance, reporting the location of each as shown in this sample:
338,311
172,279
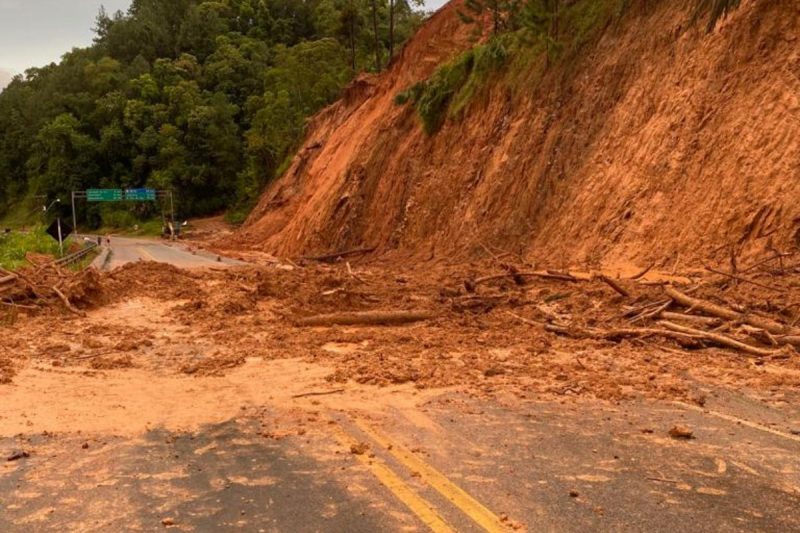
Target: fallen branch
620,333
330,258
744,280
765,261
728,314
366,318
651,312
709,321
67,303
717,338
614,285
20,306
320,393
643,272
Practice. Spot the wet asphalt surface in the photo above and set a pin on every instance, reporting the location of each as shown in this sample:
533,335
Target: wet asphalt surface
537,466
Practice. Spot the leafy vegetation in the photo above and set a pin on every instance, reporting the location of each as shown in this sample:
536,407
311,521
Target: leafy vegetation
453,85
207,98
14,246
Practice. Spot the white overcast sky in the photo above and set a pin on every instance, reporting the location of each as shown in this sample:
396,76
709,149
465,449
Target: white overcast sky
38,32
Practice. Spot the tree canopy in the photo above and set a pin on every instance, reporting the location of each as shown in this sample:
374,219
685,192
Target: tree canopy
206,98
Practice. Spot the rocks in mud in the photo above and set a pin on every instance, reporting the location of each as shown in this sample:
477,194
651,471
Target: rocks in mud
680,432
16,455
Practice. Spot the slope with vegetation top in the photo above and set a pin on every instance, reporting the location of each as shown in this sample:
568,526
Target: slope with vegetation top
580,132
203,97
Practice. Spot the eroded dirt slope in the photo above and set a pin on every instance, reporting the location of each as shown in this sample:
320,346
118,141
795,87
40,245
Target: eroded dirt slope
662,144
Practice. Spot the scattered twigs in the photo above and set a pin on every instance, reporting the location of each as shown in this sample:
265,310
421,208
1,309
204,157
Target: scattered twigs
649,314
726,313
767,260
330,258
353,274
366,318
524,320
718,339
744,280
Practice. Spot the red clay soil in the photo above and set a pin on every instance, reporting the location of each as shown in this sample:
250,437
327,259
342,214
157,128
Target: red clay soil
660,143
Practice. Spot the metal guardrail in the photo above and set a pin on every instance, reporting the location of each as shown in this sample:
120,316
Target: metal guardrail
76,256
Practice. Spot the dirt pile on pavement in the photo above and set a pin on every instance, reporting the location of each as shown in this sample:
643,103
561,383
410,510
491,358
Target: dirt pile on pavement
489,328
658,144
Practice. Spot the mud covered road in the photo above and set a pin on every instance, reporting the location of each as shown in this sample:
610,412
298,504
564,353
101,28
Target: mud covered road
101,459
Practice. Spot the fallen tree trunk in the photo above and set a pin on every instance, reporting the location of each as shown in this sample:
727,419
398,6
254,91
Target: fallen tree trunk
717,338
366,318
729,314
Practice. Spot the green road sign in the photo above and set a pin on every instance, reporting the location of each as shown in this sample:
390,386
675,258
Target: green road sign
140,195
104,195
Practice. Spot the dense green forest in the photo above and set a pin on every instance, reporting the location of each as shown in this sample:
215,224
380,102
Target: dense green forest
207,98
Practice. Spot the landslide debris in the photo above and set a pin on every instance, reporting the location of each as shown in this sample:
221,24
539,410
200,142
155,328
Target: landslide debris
489,328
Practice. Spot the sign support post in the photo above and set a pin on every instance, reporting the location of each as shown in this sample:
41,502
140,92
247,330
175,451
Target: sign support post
60,238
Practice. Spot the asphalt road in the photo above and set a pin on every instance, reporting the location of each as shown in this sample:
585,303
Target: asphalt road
129,250
460,464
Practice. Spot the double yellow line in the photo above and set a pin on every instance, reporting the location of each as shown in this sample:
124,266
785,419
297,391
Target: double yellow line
421,507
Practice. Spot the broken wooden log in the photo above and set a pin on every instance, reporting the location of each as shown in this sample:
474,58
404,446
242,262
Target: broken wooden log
729,314
366,318
718,339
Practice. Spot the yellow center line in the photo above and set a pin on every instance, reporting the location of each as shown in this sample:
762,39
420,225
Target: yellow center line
738,420
144,253
455,494
416,504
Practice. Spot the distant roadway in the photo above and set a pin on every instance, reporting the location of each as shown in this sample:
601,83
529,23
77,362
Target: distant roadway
125,250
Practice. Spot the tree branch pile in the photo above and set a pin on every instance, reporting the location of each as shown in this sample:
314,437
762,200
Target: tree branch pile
653,310
48,286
